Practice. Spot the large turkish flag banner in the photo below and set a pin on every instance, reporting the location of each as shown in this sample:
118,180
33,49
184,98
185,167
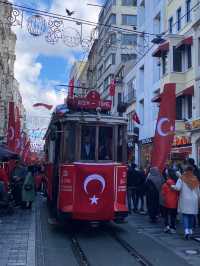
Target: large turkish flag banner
11,127
165,127
94,192
17,132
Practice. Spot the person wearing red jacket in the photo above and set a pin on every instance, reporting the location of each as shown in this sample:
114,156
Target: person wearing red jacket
170,199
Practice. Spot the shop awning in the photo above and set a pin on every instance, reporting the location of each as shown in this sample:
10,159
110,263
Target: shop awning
185,42
157,98
162,48
186,92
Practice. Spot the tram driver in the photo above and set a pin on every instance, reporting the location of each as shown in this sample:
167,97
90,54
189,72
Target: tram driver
88,149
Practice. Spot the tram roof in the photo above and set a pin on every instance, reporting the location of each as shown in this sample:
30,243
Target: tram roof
86,117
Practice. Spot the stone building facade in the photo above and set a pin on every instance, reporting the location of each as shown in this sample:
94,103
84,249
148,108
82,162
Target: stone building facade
9,86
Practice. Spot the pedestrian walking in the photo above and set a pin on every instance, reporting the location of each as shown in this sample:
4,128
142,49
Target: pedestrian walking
153,187
28,190
188,186
17,179
170,202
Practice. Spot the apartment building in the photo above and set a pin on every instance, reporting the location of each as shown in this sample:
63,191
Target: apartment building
116,44
79,72
147,74
9,87
178,59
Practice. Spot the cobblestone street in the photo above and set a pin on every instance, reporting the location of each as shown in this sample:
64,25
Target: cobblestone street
17,239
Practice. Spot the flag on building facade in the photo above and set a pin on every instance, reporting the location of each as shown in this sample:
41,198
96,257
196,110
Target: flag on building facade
26,151
135,118
71,89
11,126
165,127
112,88
17,131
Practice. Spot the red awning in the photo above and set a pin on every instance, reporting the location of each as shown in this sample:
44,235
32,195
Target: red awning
186,92
185,42
157,98
162,48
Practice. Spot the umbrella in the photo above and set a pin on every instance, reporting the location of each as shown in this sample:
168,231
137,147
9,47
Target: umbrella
6,154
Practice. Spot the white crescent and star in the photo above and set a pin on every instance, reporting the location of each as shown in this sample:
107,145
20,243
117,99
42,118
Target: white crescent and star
90,178
160,125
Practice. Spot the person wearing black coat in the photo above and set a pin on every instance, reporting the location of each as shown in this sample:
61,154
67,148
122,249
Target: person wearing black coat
135,181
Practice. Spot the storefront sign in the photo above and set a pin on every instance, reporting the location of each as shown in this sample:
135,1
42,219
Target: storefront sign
196,124
146,141
181,141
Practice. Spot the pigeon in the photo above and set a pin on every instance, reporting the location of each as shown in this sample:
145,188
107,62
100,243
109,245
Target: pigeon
69,13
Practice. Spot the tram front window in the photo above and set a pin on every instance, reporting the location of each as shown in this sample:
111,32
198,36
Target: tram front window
88,143
105,143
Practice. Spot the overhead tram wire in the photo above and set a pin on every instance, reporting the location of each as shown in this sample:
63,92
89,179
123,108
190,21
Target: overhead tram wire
83,21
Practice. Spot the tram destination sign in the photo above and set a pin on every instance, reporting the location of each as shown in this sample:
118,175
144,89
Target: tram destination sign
91,102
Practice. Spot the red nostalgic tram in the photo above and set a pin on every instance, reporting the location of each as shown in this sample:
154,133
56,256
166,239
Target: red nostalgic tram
86,150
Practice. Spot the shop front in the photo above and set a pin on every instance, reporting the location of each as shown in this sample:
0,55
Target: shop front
146,146
196,141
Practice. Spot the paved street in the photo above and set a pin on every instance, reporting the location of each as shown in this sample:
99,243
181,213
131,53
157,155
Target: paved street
134,243
103,245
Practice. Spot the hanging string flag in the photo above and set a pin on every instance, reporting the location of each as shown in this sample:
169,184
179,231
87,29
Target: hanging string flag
71,89
47,106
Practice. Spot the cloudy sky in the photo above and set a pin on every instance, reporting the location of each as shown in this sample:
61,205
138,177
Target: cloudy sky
39,65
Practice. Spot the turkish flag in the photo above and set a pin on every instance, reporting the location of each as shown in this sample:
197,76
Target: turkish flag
71,89
165,127
112,88
11,127
26,151
135,118
17,131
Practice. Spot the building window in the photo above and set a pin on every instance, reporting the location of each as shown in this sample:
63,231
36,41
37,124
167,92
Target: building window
199,51
141,112
100,72
189,56
111,20
179,104
110,60
164,63
129,39
171,25
127,57
130,20
189,106
177,60
113,38
188,10
129,2
141,79
178,15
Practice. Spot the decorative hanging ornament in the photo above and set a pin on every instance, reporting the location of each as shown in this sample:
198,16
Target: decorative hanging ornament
36,25
71,37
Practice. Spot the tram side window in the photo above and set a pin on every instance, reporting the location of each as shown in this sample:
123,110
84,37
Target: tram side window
88,138
70,135
120,144
105,143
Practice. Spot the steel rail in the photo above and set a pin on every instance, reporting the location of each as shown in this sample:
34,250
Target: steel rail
78,251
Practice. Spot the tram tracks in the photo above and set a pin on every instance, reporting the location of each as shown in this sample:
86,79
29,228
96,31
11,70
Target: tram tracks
130,249
78,251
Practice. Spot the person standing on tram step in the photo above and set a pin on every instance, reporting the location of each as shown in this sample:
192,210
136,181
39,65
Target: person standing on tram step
154,183
189,195
170,202
28,190
87,151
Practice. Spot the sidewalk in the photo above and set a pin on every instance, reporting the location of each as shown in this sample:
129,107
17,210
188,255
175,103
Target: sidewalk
189,250
17,238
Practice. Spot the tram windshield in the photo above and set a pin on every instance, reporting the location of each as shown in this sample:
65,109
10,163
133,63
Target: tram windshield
96,143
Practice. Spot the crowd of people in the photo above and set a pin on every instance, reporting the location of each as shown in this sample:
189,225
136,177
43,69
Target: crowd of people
175,191
20,186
